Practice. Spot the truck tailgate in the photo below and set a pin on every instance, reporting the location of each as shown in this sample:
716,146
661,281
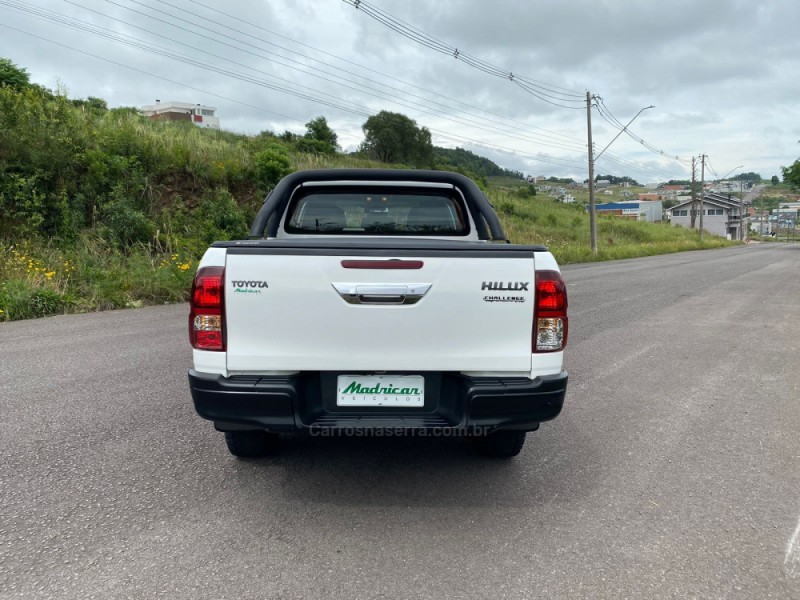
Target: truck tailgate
312,311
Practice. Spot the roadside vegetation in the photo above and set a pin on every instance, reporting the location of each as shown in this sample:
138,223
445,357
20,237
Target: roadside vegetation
106,209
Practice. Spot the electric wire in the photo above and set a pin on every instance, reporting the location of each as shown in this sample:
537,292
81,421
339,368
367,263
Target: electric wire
445,135
62,19
614,122
547,133
417,35
361,87
332,102
448,49
143,72
545,137
545,92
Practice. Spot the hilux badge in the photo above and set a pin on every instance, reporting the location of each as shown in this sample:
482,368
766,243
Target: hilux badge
511,286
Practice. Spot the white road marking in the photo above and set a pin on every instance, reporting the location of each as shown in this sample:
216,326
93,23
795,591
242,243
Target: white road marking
792,561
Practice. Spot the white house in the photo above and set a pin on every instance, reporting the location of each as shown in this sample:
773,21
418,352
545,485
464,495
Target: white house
722,216
200,115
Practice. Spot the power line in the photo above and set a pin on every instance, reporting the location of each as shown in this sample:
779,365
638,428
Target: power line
415,34
446,135
335,103
446,48
119,64
135,43
546,92
372,91
382,74
614,122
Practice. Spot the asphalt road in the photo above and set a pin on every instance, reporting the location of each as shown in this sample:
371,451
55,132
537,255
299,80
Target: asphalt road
673,472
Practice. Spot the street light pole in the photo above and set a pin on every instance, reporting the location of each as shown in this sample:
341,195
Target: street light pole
592,159
621,131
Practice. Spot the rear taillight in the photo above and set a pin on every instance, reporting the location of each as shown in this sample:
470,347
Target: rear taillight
207,315
550,323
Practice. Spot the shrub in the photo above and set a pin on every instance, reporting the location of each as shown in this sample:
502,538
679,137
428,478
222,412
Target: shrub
220,217
272,164
22,204
314,146
127,226
21,299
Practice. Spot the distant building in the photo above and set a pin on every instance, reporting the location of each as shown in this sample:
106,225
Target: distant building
650,197
202,116
602,183
633,209
722,216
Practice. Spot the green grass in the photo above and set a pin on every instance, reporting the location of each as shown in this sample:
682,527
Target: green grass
564,229
39,279
107,209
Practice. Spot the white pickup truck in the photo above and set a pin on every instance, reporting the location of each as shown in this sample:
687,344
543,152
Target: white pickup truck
374,302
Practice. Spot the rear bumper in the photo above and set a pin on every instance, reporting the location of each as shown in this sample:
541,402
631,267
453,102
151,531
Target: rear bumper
306,402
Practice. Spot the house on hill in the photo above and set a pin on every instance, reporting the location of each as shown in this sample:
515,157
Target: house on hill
201,116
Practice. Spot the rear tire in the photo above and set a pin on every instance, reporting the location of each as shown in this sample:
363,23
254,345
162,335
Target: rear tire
502,444
251,444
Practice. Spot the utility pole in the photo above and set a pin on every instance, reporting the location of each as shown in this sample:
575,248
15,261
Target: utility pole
592,212
592,158
694,193
702,191
741,209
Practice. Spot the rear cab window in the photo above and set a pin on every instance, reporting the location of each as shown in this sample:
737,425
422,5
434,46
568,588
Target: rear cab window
376,211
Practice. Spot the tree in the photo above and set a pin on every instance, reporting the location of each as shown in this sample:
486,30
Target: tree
791,175
96,105
458,158
615,180
318,129
775,180
751,176
13,76
394,138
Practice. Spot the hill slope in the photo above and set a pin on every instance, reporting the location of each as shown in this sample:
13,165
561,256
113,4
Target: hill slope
105,209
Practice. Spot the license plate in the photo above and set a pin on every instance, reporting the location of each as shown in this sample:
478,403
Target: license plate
380,390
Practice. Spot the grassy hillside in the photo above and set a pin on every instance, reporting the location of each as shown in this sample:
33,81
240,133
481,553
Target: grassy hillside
564,229
105,209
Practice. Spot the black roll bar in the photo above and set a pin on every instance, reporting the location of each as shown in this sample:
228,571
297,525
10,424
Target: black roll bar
266,221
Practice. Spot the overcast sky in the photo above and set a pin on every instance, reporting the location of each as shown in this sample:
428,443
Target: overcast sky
724,75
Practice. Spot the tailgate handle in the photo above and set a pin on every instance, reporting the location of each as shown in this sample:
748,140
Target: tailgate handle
382,293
